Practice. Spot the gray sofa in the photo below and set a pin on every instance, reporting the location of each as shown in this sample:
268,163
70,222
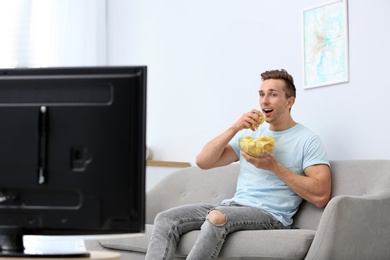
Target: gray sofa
354,225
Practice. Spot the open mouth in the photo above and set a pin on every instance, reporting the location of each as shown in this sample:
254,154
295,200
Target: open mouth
267,111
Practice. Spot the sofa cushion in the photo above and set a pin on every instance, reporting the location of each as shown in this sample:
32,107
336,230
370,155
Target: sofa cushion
291,244
136,242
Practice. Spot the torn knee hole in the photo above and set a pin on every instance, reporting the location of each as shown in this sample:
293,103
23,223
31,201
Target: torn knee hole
216,217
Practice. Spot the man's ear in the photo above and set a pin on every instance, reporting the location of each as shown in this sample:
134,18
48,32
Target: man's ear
290,102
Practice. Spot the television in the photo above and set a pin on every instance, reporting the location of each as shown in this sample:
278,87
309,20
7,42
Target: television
72,152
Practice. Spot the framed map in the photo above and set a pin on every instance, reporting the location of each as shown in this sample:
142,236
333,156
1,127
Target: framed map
325,44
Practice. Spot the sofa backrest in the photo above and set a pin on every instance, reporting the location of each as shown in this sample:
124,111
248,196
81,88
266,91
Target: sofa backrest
193,185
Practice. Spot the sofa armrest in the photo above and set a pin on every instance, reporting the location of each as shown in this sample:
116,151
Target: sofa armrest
353,227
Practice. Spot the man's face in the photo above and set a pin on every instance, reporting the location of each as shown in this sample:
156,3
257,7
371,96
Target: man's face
273,101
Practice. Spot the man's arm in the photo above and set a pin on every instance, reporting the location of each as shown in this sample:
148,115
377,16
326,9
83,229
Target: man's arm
218,152
315,187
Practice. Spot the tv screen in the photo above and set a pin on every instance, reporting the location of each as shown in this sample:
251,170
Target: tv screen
72,152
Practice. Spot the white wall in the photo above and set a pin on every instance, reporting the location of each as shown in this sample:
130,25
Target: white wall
205,57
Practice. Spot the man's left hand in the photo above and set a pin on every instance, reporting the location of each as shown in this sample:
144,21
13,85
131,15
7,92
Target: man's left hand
266,161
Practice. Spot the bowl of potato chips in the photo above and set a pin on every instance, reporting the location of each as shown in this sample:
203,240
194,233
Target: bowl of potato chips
255,147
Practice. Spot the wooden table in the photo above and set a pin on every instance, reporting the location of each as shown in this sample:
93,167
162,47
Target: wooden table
94,255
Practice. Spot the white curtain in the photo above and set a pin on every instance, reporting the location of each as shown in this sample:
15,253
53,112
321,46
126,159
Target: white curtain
52,33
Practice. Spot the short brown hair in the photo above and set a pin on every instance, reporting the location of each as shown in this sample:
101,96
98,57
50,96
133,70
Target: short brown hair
281,74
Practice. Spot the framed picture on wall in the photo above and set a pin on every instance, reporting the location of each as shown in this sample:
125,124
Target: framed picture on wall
325,44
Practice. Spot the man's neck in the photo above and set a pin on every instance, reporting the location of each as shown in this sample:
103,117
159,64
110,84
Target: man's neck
282,125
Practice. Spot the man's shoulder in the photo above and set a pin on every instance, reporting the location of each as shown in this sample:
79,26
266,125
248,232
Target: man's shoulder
302,129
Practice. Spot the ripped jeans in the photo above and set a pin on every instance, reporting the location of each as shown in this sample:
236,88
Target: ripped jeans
171,224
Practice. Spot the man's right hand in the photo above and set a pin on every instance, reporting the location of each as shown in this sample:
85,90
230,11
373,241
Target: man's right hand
248,120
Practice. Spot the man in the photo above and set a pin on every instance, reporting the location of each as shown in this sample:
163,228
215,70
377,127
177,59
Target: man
269,188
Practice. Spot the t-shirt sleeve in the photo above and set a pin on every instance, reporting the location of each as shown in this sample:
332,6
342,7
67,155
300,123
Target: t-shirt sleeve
314,152
235,143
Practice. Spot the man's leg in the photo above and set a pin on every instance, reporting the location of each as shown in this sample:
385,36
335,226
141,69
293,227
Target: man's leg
226,219
170,225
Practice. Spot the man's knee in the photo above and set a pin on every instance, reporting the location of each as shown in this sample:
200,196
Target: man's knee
216,217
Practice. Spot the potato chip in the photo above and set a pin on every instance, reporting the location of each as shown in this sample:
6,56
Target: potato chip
256,147
261,120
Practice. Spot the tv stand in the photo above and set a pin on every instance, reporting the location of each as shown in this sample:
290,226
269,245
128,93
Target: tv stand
11,239
11,246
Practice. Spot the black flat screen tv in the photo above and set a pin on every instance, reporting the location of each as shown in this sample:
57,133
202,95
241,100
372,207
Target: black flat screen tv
72,152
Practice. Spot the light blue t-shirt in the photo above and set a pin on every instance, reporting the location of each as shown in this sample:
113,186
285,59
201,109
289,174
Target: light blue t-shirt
296,148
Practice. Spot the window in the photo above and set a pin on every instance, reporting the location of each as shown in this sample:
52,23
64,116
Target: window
47,33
